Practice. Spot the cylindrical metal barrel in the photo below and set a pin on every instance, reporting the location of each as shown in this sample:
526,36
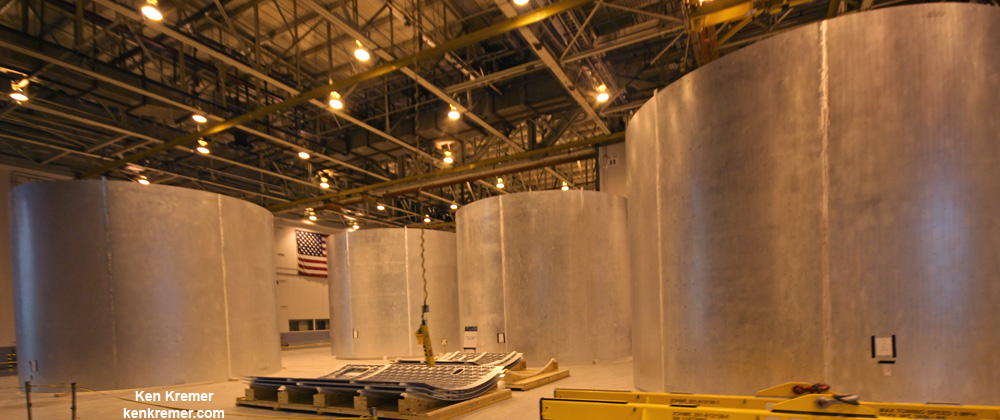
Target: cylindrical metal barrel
377,291
822,206
546,273
120,285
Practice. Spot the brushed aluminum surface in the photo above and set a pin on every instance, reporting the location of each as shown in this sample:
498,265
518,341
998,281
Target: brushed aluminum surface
376,291
830,184
141,286
549,270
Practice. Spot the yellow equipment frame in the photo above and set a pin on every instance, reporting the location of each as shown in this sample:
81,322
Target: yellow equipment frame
766,400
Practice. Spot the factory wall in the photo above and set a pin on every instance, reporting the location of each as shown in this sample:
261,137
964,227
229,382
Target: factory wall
299,297
613,175
822,206
10,177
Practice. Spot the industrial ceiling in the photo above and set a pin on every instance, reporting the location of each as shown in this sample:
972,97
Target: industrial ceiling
105,83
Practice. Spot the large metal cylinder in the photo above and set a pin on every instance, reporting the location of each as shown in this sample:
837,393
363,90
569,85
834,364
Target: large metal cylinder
120,285
377,291
549,271
797,200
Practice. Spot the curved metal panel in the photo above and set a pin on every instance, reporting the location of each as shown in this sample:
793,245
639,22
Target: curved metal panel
816,189
159,298
376,291
62,290
248,261
914,227
556,262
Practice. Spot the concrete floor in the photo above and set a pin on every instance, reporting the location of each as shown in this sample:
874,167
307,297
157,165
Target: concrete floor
296,363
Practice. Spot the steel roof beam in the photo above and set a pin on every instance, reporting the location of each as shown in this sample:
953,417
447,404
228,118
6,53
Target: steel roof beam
553,64
430,87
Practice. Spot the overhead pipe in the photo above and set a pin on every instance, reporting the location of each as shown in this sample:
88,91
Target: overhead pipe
525,19
492,172
532,154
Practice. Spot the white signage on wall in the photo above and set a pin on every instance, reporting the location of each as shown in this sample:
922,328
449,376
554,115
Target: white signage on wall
469,337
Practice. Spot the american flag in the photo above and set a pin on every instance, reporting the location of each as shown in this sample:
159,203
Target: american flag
312,253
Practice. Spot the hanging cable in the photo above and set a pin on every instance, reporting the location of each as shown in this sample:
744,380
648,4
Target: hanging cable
423,332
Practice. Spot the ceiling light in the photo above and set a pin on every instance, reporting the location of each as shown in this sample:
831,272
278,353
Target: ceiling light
520,2
324,182
312,217
453,114
304,155
427,218
198,118
447,157
602,93
454,206
499,182
355,226
143,180
203,146
565,186
18,94
312,213
361,53
380,207
335,101
151,11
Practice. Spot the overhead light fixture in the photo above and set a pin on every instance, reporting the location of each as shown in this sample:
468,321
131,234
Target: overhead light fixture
427,218
520,2
447,157
324,182
361,53
565,186
355,226
198,118
454,206
203,146
18,90
602,93
151,11
335,101
312,213
312,217
453,114
499,182
143,180
380,207
304,154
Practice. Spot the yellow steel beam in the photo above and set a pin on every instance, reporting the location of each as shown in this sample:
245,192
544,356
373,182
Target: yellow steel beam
524,19
607,139
769,398
664,398
722,11
800,408
736,28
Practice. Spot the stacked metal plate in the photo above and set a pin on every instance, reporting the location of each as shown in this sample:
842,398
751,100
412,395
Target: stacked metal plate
506,360
445,383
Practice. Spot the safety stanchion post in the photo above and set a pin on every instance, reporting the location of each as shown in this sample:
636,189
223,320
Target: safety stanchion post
72,406
27,396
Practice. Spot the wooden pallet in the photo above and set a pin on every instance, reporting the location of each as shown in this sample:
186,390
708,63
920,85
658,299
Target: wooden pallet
537,381
406,408
523,379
